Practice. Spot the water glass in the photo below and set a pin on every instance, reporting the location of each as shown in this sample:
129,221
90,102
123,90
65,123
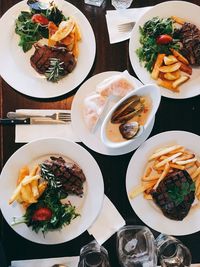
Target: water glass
121,4
93,255
136,247
94,2
171,252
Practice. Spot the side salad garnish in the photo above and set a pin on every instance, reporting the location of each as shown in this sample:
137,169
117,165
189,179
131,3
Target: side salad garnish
156,37
43,192
54,37
168,47
33,25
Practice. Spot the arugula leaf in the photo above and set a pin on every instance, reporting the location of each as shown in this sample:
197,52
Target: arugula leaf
27,30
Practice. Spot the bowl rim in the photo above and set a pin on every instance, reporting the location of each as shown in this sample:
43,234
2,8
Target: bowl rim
155,103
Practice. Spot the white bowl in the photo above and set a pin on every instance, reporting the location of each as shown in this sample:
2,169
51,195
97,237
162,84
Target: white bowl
147,90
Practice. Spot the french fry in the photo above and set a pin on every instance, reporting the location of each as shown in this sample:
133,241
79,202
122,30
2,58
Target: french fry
172,75
180,81
139,189
163,162
15,194
148,171
26,194
167,84
24,171
78,32
150,178
195,174
41,187
164,151
184,157
170,68
34,188
179,56
163,175
158,63
176,166
178,20
28,179
147,196
184,162
168,60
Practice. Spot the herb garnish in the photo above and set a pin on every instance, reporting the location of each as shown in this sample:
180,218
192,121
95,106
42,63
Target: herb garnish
149,50
55,70
62,214
177,194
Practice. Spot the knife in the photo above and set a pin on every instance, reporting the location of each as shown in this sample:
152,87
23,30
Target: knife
32,120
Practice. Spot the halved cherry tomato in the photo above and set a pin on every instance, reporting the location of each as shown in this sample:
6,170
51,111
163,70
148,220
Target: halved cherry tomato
39,18
164,39
42,214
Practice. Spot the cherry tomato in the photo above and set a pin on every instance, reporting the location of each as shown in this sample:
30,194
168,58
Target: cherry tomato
164,39
42,214
39,18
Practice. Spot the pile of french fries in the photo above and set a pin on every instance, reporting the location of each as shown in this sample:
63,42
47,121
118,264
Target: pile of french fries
164,161
172,70
67,33
29,186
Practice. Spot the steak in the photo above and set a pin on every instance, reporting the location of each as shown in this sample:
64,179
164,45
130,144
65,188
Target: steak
68,174
189,36
40,60
175,195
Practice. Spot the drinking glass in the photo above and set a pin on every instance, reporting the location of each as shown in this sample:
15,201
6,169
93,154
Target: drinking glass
93,255
171,252
121,4
94,2
136,247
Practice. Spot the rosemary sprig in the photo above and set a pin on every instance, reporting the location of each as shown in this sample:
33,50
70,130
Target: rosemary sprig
55,70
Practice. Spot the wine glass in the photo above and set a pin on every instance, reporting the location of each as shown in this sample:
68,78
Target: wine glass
171,252
136,247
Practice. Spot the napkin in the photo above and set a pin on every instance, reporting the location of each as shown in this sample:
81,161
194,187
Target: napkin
68,261
28,133
107,223
116,17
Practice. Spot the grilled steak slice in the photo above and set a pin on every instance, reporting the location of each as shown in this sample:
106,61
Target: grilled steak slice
68,174
175,195
189,36
40,60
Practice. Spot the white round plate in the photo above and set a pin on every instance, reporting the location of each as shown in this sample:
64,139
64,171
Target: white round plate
15,67
146,210
90,139
190,13
88,206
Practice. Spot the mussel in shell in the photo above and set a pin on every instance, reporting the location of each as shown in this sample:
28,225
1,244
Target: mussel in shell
129,130
127,110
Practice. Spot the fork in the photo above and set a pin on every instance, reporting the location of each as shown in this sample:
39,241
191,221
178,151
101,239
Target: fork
55,116
126,27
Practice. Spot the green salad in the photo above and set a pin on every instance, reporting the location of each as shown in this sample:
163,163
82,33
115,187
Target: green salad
157,36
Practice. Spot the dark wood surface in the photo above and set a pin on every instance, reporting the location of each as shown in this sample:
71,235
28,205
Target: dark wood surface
172,115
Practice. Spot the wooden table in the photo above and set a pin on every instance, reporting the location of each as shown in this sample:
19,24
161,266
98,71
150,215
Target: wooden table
172,115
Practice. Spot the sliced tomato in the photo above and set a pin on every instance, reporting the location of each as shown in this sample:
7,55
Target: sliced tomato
164,39
38,18
42,214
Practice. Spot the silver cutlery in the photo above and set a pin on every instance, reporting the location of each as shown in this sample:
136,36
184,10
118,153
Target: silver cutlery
57,116
126,27
32,120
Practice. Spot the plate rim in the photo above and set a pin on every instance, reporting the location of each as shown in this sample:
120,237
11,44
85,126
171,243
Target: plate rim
164,92
104,150
8,78
67,143
159,227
